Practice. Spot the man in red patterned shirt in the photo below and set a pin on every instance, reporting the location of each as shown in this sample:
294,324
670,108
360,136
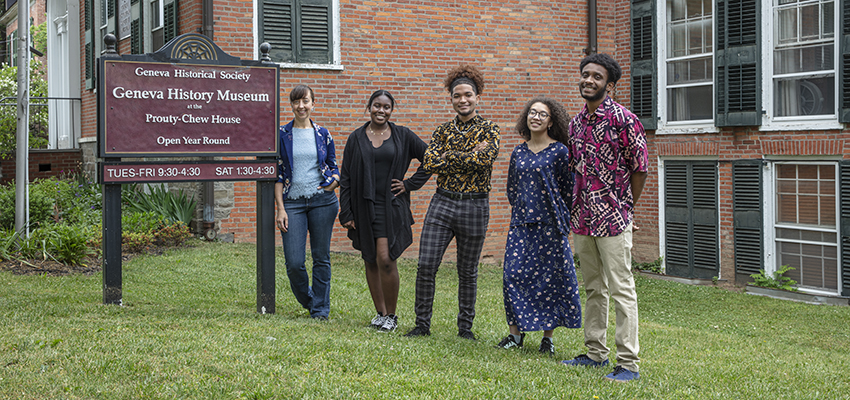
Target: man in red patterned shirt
609,160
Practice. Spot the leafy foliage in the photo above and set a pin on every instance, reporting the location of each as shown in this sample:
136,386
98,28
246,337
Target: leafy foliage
777,281
173,206
9,114
654,266
41,206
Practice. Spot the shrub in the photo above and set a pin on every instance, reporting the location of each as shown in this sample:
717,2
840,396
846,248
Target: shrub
654,266
777,281
41,207
173,234
62,243
173,206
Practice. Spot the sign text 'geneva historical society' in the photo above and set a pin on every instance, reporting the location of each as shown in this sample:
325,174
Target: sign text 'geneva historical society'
188,110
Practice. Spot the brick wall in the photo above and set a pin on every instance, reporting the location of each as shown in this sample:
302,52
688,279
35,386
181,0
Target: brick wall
42,164
524,49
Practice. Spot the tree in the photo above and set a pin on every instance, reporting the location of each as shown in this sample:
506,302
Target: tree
9,113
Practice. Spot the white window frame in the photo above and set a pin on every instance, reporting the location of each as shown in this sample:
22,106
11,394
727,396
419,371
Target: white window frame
771,250
336,65
815,122
679,127
150,28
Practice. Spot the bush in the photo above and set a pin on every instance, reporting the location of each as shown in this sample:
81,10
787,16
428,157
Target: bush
62,243
173,206
777,281
41,206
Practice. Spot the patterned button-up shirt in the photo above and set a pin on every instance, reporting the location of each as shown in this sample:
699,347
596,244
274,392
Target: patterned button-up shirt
461,169
606,147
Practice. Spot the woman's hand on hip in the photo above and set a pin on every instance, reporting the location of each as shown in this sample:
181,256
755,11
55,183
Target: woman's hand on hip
397,187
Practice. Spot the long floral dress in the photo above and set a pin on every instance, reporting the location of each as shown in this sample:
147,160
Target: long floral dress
540,285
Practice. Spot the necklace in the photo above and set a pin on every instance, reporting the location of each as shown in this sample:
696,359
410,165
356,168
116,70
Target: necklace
381,134
454,122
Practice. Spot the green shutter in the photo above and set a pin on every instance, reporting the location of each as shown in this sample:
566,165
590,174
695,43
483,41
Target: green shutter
171,20
845,227
644,63
844,75
89,41
137,28
691,230
738,63
277,18
747,218
315,32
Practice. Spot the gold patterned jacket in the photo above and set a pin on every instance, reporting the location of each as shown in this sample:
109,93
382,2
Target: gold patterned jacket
450,154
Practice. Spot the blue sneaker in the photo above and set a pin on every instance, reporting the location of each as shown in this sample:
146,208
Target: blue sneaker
584,361
621,374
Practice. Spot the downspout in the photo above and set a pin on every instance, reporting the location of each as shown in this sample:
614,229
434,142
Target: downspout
207,19
591,29
208,228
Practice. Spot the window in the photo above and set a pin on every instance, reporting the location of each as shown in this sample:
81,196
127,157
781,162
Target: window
302,33
689,61
777,64
12,45
804,62
100,19
806,233
157,31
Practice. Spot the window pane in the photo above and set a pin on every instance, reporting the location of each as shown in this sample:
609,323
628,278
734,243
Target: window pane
788,171
678,40
676,9
810,26
694,8
786,26
787,209
807,171
690,71
690,103
805,96
829,19
827,207
695,38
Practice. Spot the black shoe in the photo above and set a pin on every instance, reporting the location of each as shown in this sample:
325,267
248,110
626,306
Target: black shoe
509,342
319,317
466,334
547,347
419,331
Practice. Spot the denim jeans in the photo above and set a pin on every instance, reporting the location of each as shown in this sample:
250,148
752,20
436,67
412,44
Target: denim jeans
316,215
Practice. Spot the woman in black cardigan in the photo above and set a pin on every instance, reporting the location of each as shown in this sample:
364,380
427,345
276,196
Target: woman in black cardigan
375,200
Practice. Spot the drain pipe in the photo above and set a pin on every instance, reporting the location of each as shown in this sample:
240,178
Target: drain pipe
208,228
591,29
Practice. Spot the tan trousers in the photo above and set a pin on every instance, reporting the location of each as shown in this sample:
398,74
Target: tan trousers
606,267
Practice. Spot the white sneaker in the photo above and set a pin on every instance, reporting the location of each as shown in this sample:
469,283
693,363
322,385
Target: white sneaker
390,323
378,321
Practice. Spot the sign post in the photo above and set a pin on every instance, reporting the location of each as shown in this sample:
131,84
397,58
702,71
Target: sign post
193,101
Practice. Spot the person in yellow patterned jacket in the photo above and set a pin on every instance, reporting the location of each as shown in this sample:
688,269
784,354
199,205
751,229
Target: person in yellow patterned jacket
461,153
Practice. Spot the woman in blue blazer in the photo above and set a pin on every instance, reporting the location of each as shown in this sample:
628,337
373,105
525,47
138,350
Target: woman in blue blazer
306,201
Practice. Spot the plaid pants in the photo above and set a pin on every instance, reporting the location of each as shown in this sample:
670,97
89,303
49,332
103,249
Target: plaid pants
467,221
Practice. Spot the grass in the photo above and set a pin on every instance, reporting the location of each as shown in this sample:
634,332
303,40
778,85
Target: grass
189,329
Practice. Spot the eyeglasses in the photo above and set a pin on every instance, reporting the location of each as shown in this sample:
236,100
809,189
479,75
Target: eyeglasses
542,115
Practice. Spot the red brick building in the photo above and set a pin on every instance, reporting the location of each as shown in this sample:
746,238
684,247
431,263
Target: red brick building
745,104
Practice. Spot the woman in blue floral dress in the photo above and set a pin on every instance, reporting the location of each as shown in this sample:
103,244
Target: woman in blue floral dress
540,285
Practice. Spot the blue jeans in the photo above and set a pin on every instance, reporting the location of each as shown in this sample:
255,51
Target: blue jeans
316,215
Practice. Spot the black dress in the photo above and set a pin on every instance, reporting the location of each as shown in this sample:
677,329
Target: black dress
383,156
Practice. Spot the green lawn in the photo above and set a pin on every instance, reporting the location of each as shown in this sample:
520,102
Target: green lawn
188,329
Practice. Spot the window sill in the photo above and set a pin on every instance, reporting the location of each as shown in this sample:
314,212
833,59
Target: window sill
807,125
329,67
686,129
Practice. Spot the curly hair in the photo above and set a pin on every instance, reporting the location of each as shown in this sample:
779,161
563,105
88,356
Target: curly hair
465,74
559,115
606,61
